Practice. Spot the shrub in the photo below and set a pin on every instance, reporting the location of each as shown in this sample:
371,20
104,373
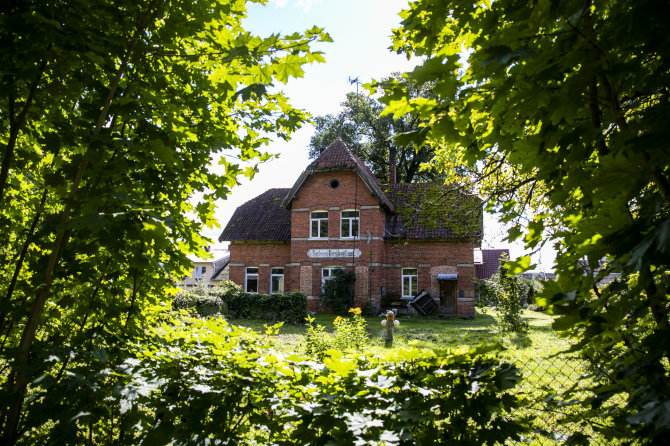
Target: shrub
229,300
526,290
317,340
508,303
350,332
204,300
509,294
418,398
288,307
337,291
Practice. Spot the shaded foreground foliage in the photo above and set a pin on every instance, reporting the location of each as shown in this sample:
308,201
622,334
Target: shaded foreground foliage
559,119
197,381
111,114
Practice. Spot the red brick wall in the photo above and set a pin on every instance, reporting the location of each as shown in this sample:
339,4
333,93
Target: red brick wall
432,258
264,256
316,192
352,193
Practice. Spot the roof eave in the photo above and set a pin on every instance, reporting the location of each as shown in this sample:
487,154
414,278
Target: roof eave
286,202
386,203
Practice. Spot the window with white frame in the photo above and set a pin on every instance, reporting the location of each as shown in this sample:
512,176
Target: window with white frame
410,282
318,224
200,272
328,273
276,280
349,224
251,280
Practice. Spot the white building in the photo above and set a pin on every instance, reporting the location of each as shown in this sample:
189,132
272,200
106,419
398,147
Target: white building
208,271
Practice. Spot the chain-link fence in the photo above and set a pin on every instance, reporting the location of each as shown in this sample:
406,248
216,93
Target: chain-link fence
556,397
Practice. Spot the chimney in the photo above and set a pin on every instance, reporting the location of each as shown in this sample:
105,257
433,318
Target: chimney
392,164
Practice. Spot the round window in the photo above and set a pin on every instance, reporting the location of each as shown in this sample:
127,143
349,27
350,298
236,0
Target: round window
334,183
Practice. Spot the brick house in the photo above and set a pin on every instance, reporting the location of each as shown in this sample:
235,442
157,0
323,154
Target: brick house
338,215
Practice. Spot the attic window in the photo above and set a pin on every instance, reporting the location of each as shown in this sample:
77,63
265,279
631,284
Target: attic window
334,183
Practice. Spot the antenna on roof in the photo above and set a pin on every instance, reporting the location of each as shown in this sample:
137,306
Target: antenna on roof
355,81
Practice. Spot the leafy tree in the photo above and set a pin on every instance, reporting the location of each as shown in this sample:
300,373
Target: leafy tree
560,116
369,134
110,115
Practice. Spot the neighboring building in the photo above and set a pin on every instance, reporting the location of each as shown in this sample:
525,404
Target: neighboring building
338,216
487,262
602,279
208,271
539,275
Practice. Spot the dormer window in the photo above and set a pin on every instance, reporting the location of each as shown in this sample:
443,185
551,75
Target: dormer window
319,224
349,224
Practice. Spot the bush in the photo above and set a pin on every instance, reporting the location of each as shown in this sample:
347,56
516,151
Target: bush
288,307
203,300
317,340
509,294
229,300
508,303
337,291
418,398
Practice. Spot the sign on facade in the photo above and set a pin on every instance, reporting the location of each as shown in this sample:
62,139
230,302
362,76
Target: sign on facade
331,253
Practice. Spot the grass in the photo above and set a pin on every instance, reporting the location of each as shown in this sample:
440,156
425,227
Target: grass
438,333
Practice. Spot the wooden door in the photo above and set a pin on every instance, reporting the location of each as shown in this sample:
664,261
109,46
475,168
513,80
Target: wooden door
448,296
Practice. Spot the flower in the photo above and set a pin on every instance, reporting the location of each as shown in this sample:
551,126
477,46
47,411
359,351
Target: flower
356,311
337,320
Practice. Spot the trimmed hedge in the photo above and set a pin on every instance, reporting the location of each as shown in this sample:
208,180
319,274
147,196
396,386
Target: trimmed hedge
288,307
228,299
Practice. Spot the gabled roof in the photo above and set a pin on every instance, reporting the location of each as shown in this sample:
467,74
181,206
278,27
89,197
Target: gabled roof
433,211
337,156
260,219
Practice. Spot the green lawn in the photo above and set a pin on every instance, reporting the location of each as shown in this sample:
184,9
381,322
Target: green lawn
431,332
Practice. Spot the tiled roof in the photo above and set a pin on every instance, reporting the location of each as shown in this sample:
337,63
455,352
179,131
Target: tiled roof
268,216
337,156
260,219
490,263
416,219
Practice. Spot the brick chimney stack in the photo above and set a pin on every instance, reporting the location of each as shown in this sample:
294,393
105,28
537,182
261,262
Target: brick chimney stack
392,164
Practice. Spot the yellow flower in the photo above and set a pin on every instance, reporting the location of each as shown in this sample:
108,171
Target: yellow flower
356,310
337,320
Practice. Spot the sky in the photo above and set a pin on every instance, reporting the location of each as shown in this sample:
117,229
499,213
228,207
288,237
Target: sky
361,31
